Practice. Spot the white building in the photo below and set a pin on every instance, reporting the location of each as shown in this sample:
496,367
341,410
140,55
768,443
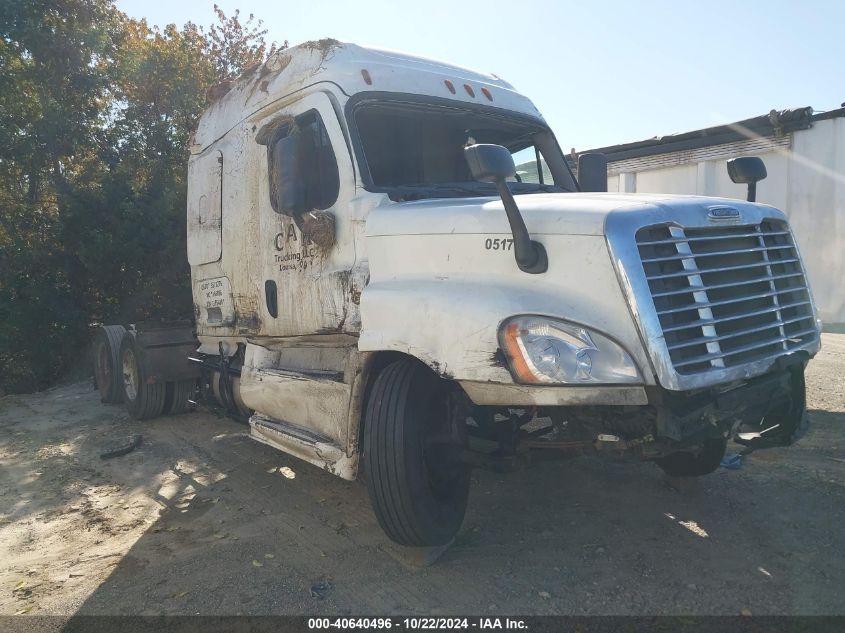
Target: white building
805,158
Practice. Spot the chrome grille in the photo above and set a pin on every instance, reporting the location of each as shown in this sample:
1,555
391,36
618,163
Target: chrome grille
726,295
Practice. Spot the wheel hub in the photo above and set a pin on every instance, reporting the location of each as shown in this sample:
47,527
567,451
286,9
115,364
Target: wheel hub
130,375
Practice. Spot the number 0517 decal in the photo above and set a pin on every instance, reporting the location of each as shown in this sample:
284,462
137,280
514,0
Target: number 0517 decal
498,244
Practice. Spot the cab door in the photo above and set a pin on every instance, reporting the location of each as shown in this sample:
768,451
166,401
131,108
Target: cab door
307,250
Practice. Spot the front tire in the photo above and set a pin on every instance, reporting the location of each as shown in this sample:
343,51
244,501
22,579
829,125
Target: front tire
686,464
143,399
417,486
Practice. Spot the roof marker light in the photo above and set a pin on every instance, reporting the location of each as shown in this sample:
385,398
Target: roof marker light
366,75
449,85
487,94
469,90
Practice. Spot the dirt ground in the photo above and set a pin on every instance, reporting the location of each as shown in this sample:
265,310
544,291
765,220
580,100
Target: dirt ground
203,520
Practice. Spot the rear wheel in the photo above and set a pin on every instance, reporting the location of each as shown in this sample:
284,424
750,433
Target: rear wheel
687,464
143,399
417,486
107,376
178,395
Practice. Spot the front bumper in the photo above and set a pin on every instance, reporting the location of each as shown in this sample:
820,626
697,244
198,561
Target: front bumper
517,395
761,412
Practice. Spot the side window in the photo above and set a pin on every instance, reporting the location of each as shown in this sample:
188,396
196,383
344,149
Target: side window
530,166
303,170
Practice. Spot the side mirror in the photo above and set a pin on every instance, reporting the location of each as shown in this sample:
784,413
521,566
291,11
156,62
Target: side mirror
494,163
287,186
592,172
747,170
489,163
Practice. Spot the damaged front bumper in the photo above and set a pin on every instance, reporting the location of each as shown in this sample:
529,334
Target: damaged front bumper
761,412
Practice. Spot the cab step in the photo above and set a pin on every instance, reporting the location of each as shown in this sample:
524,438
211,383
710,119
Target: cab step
303,443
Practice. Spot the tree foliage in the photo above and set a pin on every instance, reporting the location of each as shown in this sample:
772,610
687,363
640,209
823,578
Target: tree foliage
236,46
96,112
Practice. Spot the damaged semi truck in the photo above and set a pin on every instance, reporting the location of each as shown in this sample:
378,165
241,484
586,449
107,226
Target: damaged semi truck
379,290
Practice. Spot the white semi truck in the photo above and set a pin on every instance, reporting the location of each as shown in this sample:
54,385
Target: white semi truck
379,290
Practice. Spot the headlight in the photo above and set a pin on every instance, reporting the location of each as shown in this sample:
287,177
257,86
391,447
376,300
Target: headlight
544,350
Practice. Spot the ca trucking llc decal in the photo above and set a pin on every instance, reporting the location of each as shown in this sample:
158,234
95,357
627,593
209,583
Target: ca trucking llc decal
294,251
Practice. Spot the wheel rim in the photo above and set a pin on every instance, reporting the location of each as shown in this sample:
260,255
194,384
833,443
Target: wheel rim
130,375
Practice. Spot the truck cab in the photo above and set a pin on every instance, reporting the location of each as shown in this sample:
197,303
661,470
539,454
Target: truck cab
359,297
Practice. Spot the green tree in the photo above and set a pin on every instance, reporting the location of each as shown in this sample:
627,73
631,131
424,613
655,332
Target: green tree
236,46
52,95
96,113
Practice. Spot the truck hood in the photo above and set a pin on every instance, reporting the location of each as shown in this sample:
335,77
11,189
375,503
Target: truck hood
544,213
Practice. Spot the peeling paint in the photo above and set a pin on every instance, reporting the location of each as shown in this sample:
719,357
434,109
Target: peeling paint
324,47
219,90
355,295
498,359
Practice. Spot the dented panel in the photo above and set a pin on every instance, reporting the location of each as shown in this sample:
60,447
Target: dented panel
300,444
303,386
453,293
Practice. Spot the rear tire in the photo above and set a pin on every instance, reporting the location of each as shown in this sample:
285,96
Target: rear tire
177,396
687,464
418,488
107,375
143,399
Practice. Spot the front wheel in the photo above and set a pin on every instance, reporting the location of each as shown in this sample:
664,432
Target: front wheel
687,464
417,485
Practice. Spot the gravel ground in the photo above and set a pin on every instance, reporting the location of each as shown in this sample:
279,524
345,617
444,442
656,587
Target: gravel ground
201,519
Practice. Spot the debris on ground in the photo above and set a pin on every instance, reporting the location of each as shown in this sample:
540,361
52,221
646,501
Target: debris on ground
320,589
125,448
732,461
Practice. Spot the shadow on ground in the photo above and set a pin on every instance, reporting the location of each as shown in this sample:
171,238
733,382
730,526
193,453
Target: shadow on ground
201,519
583,536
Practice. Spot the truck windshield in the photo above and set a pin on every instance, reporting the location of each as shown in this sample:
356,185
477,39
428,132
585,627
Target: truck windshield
415,151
